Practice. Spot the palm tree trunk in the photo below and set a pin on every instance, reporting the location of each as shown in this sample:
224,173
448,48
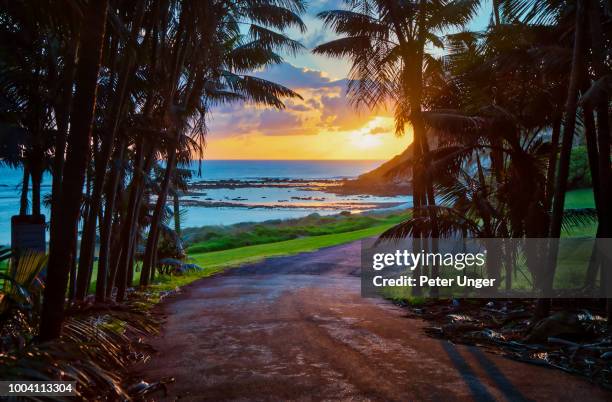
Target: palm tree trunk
88,241
130,228
552,161
36,181
62,116
25,186
590,135
134,238
543,307
177,212
128,223
569,125
72,267
433,218
150,251
62,250
115,255
593,155
603,123
603,141
107,222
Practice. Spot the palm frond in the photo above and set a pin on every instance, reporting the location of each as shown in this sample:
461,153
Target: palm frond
578,217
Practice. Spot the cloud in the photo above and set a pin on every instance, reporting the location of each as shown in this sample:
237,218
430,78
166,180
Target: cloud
316,6
297,107
277,120
316,37
297,77
313,103
325,107
338,114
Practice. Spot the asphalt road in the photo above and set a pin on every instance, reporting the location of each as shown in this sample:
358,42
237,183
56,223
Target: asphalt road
296,328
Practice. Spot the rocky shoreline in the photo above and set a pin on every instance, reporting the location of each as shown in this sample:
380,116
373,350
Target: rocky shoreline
340,206
357,186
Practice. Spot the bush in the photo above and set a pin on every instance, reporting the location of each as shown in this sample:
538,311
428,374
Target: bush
579,172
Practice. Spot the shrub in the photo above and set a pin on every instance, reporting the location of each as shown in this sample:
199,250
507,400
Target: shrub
579,173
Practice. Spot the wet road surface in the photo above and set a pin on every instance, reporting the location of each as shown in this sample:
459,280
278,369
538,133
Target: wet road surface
296,328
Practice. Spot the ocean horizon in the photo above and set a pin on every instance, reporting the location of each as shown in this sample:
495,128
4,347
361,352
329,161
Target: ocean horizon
227,206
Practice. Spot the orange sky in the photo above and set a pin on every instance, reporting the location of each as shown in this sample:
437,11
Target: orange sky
323,125
323,144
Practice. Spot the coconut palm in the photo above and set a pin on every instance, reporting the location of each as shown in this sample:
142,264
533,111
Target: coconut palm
499,98
220,74
77,153
388,43
121,73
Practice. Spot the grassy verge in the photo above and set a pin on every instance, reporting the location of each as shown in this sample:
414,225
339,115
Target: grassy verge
582,198
222,247
218,261
217,238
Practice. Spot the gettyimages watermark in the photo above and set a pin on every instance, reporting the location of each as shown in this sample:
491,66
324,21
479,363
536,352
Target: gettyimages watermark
487,268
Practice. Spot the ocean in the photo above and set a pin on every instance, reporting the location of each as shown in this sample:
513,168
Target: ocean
282,191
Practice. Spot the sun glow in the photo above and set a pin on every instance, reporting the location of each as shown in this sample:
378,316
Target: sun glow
366,141
373,140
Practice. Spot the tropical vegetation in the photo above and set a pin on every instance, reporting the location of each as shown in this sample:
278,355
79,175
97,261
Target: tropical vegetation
504,108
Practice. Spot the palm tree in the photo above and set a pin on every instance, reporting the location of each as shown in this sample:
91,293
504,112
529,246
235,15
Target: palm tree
27,91
387,43
124,82
179,184
225,79
77,153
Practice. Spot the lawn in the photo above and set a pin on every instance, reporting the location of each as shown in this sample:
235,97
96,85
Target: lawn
582,198
217,238
217,261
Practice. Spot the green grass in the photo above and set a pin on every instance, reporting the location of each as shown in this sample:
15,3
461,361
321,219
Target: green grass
582,198
217,248
223,247
217,238
217,261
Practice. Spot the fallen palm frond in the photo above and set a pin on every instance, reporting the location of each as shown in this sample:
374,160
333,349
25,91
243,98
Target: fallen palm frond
96,348
97,345
575,341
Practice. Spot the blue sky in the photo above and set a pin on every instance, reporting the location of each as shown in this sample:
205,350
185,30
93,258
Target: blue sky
317,34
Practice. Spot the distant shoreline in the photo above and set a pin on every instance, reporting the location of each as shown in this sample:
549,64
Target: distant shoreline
341,186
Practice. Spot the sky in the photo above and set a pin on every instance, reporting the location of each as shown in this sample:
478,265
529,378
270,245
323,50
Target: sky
322,125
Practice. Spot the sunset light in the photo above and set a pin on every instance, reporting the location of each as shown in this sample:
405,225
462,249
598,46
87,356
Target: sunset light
344,145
